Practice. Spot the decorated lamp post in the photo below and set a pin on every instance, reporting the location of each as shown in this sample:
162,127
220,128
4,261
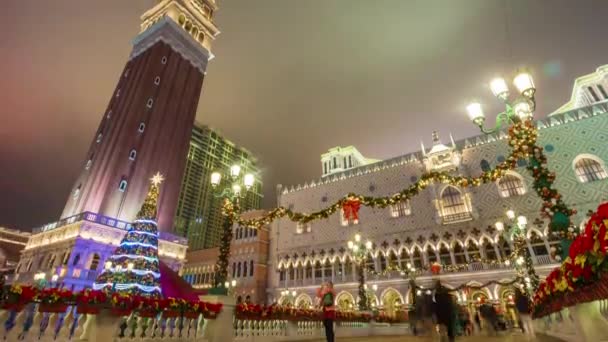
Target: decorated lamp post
231,193
359,251
288,297
514,229
517,110
523,135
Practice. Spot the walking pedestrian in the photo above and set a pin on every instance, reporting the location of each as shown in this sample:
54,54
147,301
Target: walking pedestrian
522,303
444,310
327,297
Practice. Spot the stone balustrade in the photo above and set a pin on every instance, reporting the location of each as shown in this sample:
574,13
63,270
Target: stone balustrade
587,322
30,325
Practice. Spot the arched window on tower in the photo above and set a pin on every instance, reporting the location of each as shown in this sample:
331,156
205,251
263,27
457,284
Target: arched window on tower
122,186
453,206
511,185
589,168
245,269
132,154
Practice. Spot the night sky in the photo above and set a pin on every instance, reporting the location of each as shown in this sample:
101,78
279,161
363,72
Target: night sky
290,79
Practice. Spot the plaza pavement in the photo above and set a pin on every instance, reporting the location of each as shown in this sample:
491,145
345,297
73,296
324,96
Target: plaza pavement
479,338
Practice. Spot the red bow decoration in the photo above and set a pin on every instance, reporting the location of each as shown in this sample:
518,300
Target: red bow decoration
350,207
435,268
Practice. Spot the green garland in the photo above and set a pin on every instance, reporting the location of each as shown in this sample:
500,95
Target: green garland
522,140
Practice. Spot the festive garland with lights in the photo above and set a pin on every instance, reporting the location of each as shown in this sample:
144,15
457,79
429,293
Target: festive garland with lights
523,142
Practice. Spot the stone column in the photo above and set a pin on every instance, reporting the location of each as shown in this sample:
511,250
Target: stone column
496,250
452,257
220,329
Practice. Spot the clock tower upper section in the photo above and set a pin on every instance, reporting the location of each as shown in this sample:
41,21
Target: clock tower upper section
147,125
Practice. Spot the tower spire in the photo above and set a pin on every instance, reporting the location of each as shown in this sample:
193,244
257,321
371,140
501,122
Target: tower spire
452,140
423,149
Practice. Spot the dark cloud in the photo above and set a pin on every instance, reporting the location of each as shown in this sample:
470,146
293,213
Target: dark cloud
290,79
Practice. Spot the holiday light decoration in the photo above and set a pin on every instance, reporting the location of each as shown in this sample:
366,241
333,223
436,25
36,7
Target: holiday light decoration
522,140
134,266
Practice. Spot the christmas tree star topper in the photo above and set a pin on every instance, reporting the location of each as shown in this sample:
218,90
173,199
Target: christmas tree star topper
157,178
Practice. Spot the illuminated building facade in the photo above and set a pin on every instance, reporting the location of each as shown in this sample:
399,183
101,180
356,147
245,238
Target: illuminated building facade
446,224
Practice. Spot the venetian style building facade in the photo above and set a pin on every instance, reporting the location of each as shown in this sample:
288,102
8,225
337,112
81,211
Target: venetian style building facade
147,125
443,223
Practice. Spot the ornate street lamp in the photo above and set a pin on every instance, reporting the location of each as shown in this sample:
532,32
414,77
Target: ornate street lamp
520,108
515,230
359,251
231,192
289,297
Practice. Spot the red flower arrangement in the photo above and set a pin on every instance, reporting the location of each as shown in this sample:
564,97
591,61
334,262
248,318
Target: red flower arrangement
18,297
55,300
583,276
90,301
210,310
121,304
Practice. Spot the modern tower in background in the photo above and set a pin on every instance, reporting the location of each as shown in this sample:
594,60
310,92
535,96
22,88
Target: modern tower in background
198,216
147,125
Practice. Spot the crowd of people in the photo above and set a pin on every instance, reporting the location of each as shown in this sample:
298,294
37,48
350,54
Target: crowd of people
440,312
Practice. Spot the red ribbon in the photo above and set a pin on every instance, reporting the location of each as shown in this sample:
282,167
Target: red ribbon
351,209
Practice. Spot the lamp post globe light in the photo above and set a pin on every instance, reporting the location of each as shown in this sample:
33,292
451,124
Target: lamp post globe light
514,229
520,108
231,189
359,251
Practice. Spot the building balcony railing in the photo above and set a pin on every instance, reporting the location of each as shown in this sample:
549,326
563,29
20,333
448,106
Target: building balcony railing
457,217
106,221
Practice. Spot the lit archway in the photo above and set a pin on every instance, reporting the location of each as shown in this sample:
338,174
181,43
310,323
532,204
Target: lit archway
392,301
345,301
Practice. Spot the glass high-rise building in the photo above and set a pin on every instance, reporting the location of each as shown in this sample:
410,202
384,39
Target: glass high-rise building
198,216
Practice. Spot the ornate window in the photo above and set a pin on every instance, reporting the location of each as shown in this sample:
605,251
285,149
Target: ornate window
473,252
511,185
430,254
417,258
132,154
142,127
453,206
538,244
444,255
157,80
149,103
489,250
589,169
348,269
401,209
94,262
504,247
459,255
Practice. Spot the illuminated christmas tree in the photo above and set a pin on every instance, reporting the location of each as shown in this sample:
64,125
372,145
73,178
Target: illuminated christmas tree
134,266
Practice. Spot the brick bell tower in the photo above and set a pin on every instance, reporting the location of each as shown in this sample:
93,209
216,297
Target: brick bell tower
148,123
